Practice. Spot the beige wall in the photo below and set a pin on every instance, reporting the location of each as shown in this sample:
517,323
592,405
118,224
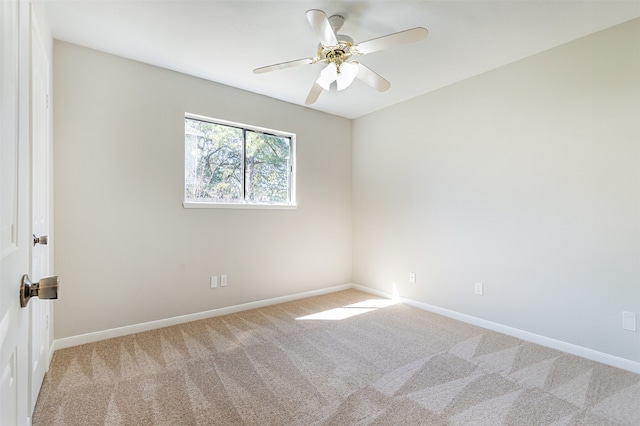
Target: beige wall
127,251
525,178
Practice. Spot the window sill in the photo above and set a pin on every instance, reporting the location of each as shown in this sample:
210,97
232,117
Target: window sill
192,205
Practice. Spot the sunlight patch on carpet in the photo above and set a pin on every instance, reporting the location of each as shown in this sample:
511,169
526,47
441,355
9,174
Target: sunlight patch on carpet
349,311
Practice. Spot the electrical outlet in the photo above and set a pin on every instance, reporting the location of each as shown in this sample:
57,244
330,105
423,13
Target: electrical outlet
629,321
479,289
223,280
412,277
214,281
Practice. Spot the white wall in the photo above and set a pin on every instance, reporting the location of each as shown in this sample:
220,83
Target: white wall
525,178
127,251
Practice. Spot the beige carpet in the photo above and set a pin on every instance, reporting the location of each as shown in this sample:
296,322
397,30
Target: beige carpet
393,365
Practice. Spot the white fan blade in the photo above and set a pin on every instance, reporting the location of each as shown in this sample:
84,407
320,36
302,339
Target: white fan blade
372,78
282,65
348,72
392,40
320,23
313,94
327,76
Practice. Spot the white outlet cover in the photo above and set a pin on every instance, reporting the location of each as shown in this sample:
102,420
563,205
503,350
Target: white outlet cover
478,289
223,280
214,281
629,321
412,277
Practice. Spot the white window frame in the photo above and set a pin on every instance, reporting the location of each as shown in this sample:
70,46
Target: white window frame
291,205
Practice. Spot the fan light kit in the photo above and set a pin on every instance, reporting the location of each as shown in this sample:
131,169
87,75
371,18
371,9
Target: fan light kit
336,49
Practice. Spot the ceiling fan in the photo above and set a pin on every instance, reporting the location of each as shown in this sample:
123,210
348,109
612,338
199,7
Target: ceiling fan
336,49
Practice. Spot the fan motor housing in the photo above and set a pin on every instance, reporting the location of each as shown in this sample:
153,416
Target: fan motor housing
337,54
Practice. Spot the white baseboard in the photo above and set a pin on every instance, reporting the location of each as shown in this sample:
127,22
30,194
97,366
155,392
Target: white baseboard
82,339
581,351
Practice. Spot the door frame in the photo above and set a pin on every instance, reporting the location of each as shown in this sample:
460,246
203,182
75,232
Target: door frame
40,330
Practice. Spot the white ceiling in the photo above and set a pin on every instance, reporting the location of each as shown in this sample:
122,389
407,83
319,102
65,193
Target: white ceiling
223,41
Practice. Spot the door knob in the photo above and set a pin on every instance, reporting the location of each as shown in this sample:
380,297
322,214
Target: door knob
40,240
46,288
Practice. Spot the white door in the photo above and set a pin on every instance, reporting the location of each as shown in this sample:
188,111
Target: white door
40,309
15,221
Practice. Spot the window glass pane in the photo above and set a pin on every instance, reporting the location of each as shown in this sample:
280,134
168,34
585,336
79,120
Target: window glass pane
213,162
235,164
267,168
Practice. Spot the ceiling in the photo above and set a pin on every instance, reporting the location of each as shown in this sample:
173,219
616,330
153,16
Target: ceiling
223,41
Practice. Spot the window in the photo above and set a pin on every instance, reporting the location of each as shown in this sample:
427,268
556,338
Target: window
233,165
